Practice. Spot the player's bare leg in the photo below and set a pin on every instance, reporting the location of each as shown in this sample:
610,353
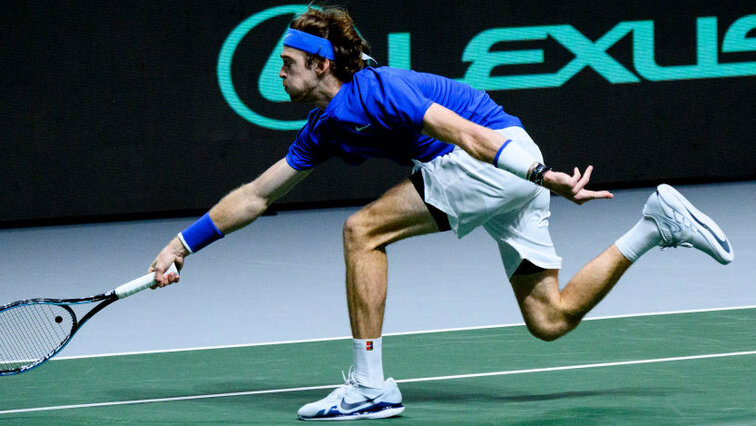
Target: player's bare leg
669,220
400,213
550,313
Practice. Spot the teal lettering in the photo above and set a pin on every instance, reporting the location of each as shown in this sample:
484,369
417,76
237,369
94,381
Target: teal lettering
707,65
483,61
735,39
399,50
590,54
587,54
593,54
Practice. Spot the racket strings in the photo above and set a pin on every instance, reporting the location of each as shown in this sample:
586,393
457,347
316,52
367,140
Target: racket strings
28,335
31,333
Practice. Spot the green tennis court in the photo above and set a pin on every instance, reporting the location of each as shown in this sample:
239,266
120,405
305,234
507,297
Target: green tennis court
678,368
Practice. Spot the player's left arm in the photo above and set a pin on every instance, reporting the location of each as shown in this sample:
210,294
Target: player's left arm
486,145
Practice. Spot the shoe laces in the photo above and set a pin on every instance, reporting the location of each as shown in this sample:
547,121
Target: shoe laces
665,245
349,382
349,378
683,225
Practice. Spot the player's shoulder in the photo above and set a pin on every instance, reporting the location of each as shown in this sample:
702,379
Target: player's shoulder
371,82
312,125
314,116
370,74
313,120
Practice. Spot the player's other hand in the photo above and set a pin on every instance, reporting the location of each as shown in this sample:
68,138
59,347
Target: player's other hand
174,252
573,187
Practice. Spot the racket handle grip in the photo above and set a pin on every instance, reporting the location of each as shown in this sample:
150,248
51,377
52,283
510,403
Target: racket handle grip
141,283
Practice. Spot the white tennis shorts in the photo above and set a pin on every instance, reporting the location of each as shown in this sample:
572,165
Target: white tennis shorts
514,211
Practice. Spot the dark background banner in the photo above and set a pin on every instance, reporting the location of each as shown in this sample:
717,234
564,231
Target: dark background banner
116,109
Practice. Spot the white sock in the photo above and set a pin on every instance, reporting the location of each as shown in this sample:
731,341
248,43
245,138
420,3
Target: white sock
641,238
368,362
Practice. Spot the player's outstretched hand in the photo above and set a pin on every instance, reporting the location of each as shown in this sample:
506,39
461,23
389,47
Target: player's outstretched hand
573,187
174,252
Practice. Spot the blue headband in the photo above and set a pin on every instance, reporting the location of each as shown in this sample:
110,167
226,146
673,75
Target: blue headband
308,43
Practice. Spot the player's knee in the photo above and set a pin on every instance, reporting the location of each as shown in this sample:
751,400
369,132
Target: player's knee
552,327
356,233
546,333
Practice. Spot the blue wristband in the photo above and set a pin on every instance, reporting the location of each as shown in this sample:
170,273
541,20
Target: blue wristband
200,234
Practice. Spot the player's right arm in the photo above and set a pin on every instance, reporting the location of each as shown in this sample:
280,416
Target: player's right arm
234,211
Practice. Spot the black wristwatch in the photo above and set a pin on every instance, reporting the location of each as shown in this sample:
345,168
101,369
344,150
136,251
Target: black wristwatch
536,176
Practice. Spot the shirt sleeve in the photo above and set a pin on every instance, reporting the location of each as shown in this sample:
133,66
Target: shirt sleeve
397,101
308,151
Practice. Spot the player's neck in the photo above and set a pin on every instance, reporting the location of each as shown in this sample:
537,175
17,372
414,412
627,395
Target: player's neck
326,90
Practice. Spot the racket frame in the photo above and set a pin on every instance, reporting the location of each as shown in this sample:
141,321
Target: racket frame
121,292
105,298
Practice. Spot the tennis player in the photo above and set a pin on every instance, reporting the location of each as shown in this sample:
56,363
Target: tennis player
474,165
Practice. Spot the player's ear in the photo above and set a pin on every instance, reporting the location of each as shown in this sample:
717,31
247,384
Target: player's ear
323,65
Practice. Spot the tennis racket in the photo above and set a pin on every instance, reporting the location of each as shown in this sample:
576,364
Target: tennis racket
33,331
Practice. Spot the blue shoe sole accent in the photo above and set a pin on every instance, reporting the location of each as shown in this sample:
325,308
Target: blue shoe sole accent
377,411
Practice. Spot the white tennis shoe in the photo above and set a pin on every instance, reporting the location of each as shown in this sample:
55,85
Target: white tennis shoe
351,401
681,224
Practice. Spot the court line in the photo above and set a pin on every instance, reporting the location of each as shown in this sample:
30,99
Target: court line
416,380
401,333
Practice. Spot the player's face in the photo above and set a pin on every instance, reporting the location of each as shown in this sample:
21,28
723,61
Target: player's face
299,80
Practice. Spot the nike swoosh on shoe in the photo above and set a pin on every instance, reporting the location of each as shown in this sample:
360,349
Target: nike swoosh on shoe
723,243
345,406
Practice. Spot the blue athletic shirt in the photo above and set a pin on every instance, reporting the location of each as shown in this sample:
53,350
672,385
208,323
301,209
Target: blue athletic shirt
379,114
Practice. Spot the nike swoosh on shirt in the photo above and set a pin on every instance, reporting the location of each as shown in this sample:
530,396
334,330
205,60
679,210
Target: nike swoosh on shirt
725,245
359,129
